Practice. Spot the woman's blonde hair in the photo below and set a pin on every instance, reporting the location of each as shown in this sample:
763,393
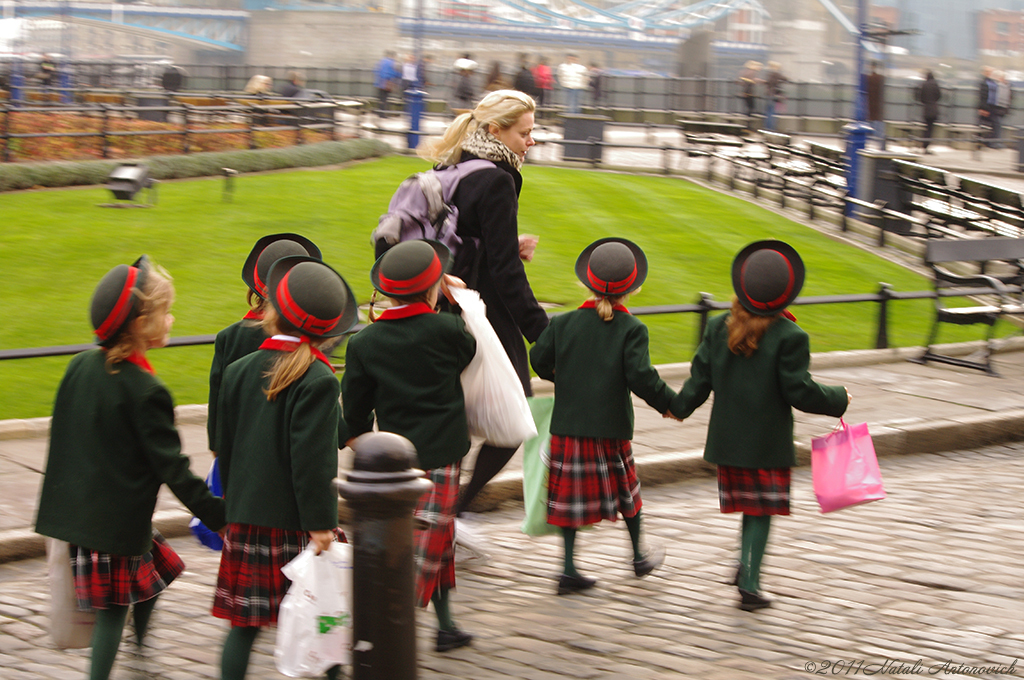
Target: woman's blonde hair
154,301
501,108
746,329
423,297
605,306
290,366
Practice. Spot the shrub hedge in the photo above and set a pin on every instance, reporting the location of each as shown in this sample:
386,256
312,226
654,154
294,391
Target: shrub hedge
16,176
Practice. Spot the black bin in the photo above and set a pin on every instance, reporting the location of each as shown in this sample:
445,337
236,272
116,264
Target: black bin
582,128
152,100
877,181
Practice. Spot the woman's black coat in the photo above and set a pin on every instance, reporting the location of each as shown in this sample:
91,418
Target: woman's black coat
488,203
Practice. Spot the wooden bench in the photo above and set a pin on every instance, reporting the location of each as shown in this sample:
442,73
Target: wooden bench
1000,208
998,271
705,138
936,194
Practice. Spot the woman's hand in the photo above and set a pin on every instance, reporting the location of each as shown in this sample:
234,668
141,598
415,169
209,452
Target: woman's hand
321,539
448,282
527,246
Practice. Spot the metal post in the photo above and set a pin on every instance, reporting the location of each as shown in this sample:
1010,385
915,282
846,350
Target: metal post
882,337
856,139
415,98
17,84
382,490
705,303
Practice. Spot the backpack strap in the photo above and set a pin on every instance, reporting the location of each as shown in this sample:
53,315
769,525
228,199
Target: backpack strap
463,169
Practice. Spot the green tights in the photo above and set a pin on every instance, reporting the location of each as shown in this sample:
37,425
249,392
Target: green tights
106,635
569,538
234,660
754,539
442,609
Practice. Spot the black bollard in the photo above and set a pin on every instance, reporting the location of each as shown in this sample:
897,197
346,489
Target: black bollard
382,490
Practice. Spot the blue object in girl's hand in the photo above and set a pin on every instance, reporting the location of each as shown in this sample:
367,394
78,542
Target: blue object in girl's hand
211,539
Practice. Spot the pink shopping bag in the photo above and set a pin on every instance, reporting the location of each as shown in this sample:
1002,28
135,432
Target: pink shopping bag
845,468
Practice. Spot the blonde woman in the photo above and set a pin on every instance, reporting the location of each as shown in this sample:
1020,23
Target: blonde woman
491,258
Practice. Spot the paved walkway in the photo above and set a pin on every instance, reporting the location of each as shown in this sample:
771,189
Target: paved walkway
928,579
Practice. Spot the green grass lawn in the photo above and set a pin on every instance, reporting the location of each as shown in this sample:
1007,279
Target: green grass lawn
55,245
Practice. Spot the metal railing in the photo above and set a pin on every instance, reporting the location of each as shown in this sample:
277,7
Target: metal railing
703,308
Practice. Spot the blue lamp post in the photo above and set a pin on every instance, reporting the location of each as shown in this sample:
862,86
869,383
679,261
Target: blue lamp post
857,132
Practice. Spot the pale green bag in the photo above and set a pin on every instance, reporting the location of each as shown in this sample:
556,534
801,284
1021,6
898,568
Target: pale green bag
536,458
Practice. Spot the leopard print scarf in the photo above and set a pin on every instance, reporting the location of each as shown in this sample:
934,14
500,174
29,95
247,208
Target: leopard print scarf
483,144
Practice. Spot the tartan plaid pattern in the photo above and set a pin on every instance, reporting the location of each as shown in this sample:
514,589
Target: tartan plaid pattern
250,585
591,480
102,579
753,491
435,546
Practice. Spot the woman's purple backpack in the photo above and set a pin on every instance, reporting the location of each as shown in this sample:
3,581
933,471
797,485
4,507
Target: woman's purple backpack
422,208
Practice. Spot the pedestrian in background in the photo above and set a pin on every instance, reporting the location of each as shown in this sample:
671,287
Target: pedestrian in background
464,92
876,103
749,79
113,444
929,94
279,428
598,356
385,77
490,260
404,372
544,81
572,77
755,359
1003,103
496,80
775,95
294,86
596,78
524,81
988,93
244,337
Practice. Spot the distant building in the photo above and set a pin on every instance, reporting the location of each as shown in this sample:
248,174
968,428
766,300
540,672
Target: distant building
1000,33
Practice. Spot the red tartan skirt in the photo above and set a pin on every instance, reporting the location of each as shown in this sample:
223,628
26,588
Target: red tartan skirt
591,480
250,585
753,491
102,579
435,546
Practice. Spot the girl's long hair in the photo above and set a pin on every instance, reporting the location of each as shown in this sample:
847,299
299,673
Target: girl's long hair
746,329
155,300
501,107
289,366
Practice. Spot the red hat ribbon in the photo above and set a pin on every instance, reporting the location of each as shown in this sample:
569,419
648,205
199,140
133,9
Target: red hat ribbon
120,311
298,317
261,288
415,284
777,301
611,287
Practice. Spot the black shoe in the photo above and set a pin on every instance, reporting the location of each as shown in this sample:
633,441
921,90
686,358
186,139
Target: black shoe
452,639
571,584
651,560
750,601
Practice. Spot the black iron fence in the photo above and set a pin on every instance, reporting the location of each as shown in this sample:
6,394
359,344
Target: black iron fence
703,308
639,92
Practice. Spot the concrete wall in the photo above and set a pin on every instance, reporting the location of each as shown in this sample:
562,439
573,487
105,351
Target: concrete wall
320,39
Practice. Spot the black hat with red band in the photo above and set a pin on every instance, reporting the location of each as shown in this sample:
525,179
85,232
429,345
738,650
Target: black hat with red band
767,276
612,267
312,297
114,302
410,268
267,251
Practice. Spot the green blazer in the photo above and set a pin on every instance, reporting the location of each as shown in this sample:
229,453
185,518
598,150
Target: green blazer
752,416
234,342
112,444
407,371
595,365
278,458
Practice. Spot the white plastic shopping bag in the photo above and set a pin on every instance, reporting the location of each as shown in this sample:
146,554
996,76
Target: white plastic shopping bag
70,628
496,407
314,626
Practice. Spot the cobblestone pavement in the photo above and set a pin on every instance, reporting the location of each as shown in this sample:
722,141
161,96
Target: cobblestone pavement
932,575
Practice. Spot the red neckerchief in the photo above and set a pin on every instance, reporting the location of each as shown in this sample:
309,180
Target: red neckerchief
592,304
291,346
253,316
789,315
139,359
405,311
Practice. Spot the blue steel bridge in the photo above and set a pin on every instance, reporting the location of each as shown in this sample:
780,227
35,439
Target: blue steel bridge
643,25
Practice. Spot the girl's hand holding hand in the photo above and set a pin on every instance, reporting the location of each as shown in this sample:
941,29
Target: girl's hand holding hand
849,397
668,414
322,539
